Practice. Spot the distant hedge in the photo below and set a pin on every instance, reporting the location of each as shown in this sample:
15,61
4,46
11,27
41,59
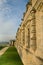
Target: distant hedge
1,47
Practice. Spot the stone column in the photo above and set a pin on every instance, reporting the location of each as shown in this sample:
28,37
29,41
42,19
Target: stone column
20,34
27,36
33,31
23,34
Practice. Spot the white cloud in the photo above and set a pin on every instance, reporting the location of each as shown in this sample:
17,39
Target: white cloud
7,26
8,23
6,37
7,29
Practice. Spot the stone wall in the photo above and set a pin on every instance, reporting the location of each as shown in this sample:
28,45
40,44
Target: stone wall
29,38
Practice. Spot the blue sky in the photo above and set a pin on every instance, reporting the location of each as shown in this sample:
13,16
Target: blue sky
11,12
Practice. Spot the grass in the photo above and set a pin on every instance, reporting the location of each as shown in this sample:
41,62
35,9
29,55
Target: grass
10,57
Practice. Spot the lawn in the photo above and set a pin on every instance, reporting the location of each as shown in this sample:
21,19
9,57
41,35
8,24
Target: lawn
10,57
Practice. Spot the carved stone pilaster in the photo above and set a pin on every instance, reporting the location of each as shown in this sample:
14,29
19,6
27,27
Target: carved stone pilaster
23,35
33,30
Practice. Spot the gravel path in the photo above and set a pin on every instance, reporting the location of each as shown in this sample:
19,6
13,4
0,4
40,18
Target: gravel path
3,50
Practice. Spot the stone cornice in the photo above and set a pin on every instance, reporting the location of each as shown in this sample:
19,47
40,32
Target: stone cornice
22,19
24,15
38,2
40,6
29,11
33,10
28,5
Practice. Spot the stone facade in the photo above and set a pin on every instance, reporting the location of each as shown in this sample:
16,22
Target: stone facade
29,37
12,42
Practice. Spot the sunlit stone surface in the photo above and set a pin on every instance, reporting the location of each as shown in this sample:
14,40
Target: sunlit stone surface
29,37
